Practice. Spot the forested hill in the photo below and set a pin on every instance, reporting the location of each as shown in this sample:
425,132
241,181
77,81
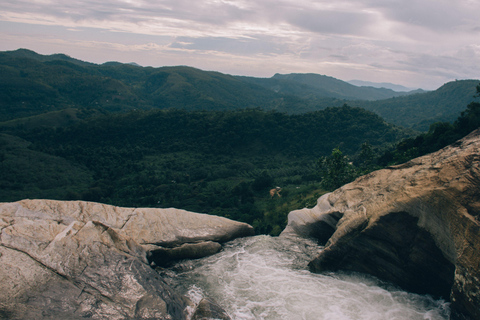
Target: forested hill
316,86
419,111
34,84
206,161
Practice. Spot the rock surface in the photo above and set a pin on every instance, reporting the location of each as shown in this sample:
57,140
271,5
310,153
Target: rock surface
74,259
416,224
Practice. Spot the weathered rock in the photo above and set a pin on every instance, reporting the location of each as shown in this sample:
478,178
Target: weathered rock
319,222
72,260
208,310
415,224
165,256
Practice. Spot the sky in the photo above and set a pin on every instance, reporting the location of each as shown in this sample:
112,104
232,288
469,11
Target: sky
415,43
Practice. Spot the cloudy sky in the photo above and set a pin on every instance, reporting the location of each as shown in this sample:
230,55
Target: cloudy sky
415,43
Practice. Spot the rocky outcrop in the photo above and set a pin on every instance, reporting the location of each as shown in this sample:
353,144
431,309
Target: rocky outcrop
416,225
74,259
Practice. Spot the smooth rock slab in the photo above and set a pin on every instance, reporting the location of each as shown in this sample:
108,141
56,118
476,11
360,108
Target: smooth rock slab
75,259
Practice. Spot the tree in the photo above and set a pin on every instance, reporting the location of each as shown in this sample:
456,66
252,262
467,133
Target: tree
336,170
366,157
469,119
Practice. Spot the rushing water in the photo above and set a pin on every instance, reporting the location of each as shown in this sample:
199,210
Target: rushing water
264,277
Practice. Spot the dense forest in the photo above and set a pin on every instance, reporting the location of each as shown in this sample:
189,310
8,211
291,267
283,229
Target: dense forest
222,163
419,111
203,141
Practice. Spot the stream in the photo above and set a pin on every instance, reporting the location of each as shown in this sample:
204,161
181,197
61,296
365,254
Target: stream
265,277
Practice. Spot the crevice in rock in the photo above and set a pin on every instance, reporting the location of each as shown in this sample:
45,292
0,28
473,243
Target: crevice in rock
128,219
38,262
165,257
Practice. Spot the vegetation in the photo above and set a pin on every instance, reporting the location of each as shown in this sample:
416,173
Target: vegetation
33,84
418,111
215,162
438,136
201,141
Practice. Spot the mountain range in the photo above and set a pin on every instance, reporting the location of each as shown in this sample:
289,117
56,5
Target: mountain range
33,84
386,85
199,140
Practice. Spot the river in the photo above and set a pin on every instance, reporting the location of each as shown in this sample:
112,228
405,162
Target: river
265,277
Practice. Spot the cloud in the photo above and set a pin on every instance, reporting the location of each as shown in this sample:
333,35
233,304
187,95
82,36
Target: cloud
377,40
330,22
440,16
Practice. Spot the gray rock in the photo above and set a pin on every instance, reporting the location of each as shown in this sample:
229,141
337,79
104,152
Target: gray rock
208,310
319,222
165,256
73,260
415,224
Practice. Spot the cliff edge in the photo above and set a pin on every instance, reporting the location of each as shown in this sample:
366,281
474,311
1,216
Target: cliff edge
416,225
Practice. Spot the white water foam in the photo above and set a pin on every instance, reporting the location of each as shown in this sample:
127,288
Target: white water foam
267,278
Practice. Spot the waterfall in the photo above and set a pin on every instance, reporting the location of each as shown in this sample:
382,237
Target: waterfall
265,277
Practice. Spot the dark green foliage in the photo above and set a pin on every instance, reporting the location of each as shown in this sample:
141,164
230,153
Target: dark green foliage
63,138
33,84
469,119
215,162
26,173
418,111
336,170
438,136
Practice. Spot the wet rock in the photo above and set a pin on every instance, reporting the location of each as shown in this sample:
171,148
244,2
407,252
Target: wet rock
416,225
207,310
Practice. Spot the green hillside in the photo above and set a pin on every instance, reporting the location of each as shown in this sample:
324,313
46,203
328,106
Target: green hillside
202,141
418,111
216,162
33,84
325,86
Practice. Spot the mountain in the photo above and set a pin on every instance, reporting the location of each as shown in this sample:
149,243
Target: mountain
316,86
386,85
418,111
29,54
34,84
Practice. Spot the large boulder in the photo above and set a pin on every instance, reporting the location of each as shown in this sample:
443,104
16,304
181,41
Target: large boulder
416,225
74,259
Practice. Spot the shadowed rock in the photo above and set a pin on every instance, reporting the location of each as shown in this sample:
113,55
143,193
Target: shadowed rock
208,310
416,225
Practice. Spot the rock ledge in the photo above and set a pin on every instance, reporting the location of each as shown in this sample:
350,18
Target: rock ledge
416,225
75,259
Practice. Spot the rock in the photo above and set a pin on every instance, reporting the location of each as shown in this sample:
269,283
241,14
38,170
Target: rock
74,259
165,256
207,310
416,225
319,222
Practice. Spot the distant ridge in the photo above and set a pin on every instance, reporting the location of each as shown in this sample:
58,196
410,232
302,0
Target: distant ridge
316,86
419,111
386,85
33,84
29,54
